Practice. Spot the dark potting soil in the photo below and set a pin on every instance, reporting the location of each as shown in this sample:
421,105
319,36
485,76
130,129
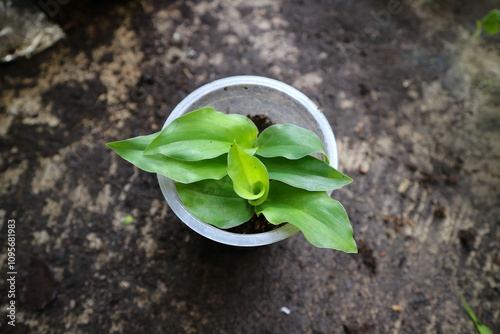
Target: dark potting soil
262,122
256,224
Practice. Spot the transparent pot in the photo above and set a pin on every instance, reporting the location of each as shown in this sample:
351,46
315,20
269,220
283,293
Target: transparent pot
249,95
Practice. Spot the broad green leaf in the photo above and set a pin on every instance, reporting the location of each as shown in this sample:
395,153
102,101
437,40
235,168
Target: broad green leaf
323,220
204,134
178,170
215,202
482,329
306,173
491,22
249,175
289,141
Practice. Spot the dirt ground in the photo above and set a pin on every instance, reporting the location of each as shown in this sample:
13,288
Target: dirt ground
413,100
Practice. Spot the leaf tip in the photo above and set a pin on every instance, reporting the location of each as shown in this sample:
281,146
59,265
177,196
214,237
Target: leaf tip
353,248
112,145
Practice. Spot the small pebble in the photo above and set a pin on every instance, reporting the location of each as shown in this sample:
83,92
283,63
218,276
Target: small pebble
178,38
285,310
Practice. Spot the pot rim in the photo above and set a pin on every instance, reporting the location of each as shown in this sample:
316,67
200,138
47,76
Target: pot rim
229,238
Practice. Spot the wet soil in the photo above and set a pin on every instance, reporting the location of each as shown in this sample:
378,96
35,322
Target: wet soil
413,102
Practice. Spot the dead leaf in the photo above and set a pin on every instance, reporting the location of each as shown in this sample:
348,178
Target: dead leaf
397,308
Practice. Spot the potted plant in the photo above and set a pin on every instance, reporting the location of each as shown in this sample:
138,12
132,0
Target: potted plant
217,172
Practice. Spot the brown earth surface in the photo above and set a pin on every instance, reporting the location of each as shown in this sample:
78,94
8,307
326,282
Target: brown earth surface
414,102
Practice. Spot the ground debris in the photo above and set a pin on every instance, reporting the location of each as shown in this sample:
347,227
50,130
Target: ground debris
397,308
450,179
467,237
38,282
367,257
351,329
429,178
397,223
440,211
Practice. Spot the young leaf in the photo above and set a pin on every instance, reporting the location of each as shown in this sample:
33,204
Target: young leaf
215,202
178,170
289,141
323,220
128,220
204,134
482,329
306,173
249,175
491,22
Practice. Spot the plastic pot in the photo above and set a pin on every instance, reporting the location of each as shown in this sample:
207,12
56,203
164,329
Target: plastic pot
249,95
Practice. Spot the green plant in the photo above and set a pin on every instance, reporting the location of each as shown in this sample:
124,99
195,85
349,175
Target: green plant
490,23
225,173
128,220
482,329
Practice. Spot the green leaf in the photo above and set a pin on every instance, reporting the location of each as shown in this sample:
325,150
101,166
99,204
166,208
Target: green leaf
323,220
178,170
491,22
249,175
128,220
204,134
289,141
215,202
482,329
306,173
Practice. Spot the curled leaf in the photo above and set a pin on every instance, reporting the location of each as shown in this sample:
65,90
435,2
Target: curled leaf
249,175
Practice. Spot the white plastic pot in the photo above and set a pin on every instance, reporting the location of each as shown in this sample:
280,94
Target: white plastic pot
249,95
